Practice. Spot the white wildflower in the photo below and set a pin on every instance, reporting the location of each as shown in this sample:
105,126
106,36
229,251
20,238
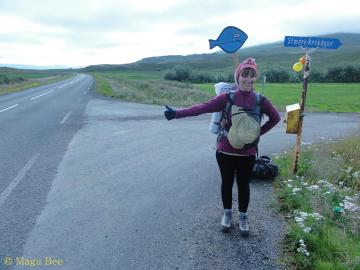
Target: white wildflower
356,174
304,214
295,190
299,219
323,182
317,216
304,183
302,248
351,206
313,187
307,229
289,185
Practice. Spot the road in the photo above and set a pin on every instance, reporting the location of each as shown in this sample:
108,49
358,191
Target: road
119,187
36,128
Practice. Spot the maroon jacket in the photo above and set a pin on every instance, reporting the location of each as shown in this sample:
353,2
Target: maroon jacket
242,99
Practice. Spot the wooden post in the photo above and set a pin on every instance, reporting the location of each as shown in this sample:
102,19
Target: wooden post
302,109
236,59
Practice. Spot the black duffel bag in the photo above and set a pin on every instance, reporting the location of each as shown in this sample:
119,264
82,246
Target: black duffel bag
264,168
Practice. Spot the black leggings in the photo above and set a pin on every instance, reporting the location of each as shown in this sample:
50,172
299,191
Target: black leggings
242,165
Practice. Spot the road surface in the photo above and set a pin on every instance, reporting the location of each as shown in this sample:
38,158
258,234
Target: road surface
116,186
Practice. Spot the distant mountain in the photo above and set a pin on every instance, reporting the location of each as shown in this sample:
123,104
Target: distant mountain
33,67
267,56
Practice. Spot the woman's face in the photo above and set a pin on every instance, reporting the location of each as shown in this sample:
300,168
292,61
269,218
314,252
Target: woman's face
247,79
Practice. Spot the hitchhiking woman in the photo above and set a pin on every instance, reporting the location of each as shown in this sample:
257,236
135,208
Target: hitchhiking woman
235,156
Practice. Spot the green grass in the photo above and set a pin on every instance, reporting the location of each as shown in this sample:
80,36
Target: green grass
322,206
321,97
31,81
135,88
129,75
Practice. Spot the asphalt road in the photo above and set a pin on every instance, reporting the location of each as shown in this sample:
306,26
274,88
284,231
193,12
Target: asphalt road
127,189
36,128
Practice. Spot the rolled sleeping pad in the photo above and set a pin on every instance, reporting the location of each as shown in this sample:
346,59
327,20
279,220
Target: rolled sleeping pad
220,88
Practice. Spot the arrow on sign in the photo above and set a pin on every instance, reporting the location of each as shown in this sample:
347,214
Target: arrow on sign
312,42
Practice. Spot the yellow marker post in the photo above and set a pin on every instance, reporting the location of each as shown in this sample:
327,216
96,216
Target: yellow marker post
301,112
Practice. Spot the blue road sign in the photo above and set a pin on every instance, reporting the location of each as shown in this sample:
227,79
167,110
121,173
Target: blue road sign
312,42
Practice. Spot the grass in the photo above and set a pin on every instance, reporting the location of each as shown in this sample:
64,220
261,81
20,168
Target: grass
321,97
29,80
150,87
322,206
149,91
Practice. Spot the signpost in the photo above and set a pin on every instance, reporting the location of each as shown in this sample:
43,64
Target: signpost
230,40
312,42
307,44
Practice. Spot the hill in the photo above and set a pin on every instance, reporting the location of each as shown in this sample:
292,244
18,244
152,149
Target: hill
267,56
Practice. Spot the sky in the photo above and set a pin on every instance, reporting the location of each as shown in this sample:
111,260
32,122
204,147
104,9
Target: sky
77,33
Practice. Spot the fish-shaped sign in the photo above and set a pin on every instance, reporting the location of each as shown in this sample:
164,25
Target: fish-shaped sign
230,40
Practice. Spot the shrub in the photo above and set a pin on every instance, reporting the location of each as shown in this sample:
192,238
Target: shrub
343,74
179,73
277,75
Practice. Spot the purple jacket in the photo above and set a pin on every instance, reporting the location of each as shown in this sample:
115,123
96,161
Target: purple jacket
243,99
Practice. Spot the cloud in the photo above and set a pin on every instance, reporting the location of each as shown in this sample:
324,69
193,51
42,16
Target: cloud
117,31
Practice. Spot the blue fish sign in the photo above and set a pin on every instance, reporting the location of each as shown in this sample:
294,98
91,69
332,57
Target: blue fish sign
312,42
230,40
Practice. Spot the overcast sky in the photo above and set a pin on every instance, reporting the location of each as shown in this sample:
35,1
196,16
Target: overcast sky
85,32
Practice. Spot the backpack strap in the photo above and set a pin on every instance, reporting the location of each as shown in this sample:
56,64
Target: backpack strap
259,101
231,98
230,101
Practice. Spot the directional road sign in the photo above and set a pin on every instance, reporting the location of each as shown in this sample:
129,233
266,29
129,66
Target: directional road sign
312,42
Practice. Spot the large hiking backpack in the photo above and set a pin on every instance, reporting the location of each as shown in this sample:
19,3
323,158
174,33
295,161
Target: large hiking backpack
216,117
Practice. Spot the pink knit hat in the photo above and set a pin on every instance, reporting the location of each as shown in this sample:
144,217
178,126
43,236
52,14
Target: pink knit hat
247,63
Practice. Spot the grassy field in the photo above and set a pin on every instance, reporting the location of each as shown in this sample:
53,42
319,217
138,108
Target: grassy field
151,90
322,206
321,97
18,80
328,97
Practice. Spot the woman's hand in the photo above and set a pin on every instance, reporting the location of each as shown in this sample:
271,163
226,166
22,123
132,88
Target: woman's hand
169,113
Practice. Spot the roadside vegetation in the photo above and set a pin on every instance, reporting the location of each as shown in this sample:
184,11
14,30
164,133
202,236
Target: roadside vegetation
149,91
150,88
12,80
274,74
321,204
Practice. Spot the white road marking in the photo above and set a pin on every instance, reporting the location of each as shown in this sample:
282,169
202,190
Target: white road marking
65,118
62,86
8,108
17,179
42,94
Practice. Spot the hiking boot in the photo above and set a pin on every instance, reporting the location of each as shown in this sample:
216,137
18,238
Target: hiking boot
243,224
226,220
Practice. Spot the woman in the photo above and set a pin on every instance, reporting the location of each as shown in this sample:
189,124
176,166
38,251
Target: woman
234,160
